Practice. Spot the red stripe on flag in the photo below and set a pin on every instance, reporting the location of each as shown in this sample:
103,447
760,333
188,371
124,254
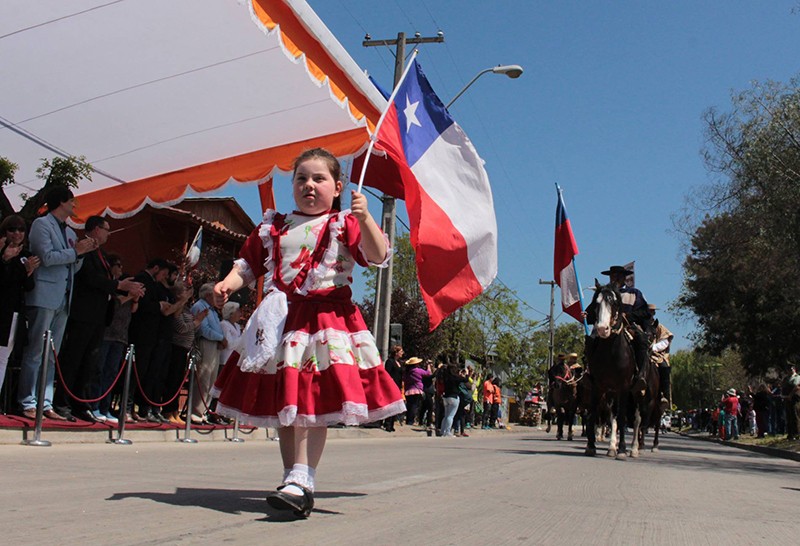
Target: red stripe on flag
565,249
445,275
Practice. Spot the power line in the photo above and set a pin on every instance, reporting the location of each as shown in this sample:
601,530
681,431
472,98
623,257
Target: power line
513,293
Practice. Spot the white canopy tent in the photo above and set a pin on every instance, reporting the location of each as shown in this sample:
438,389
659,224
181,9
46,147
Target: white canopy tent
160,96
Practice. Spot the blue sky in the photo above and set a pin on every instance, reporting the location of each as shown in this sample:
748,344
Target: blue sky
610,107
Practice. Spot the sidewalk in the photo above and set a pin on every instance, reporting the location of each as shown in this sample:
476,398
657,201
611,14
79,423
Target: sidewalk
16,430
774,446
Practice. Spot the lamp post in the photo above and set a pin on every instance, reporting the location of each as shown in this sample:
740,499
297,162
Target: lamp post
513,71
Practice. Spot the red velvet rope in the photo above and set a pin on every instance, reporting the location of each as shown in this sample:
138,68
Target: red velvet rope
71,394
156,404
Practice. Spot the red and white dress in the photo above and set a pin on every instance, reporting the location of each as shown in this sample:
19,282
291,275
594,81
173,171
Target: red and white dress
306,357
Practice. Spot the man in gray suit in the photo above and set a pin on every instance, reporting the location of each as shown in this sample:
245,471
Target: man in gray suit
47,305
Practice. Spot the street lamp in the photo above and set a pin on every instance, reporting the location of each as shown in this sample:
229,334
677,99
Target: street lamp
513,71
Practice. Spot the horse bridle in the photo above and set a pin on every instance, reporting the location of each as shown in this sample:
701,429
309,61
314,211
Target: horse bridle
618,321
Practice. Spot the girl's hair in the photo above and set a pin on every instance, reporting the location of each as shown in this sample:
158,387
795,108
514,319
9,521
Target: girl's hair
12,221
334,167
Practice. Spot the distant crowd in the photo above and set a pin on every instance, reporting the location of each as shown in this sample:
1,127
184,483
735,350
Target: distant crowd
768,410
447,400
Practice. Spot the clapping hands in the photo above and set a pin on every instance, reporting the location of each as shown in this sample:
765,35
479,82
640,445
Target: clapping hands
31,264
85,245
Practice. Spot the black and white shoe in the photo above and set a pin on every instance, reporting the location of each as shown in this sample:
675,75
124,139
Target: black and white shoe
300,505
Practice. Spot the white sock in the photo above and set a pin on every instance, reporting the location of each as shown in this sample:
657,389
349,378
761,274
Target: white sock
286,474
301,474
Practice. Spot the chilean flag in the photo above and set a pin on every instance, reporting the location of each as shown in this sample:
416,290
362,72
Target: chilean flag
447,194
564,272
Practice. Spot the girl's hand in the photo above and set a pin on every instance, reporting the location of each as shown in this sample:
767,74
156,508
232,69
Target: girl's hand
223,289
372,240
227,286
358,206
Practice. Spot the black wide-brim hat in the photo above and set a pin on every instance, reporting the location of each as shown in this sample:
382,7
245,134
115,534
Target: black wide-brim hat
616,269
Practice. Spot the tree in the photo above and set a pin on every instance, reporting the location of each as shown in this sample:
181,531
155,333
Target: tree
741,273
411,313
58,171
699,379
473,332
531,354
7,170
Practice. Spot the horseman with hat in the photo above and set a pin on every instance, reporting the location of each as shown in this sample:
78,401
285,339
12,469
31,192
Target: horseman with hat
558,371
576,368
636,315
659,355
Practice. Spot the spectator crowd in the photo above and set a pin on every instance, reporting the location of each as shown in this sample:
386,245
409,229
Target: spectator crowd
770,409
71,287
447,400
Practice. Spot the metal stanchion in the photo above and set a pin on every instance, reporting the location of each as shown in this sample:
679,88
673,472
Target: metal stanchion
188,430
37,430
130,358
236,438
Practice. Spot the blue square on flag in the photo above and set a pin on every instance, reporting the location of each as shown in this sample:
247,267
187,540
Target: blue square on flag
420,114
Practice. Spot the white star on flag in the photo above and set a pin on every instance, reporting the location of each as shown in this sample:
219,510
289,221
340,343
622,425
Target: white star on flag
411,114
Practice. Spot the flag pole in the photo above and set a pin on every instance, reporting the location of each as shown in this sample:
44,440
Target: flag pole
374,136
580,295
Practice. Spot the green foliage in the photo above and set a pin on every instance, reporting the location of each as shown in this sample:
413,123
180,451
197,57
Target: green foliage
7,170
58,171
404,269
490,330
411,313
64,171
740,274
531,354
699,379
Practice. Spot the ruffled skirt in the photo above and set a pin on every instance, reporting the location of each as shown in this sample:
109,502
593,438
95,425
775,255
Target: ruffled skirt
327,370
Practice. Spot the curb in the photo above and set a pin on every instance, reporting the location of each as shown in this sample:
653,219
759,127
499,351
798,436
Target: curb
764,450
18,436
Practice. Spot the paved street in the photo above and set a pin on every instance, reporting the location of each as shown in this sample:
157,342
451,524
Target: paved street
492,488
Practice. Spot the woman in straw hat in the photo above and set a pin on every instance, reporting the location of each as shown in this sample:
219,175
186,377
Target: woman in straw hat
414,389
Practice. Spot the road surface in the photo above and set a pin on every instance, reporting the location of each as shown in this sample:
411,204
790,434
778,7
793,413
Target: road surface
492,488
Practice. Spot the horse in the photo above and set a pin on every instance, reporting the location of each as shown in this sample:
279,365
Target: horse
647,408
563,395
612,365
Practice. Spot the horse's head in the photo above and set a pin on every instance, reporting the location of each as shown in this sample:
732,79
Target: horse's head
607,302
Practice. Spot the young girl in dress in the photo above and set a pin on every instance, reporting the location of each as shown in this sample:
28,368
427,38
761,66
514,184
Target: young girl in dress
306,359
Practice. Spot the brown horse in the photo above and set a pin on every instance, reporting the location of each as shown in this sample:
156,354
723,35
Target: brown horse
564,398
611,369
647,408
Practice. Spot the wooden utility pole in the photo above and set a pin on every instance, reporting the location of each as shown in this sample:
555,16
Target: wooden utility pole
551,321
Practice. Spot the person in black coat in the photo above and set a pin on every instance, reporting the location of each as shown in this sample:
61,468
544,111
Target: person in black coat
16,268
394,367
90,313
144,332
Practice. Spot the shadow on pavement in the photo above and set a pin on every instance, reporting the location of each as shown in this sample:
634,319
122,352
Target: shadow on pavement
229,501
549,452
674,451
